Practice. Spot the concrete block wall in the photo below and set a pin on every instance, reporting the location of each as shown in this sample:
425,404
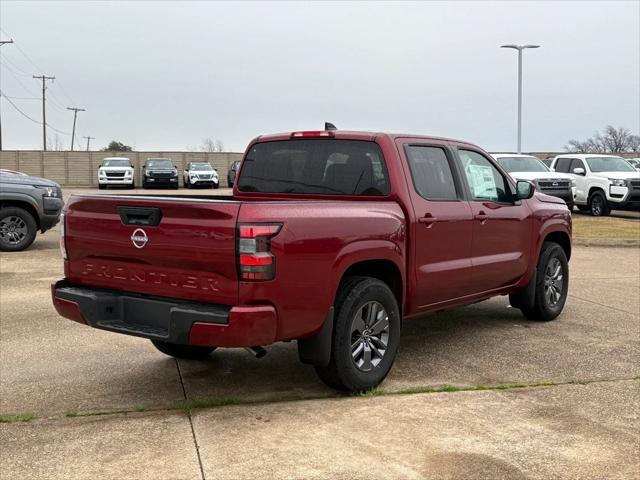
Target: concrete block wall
80,169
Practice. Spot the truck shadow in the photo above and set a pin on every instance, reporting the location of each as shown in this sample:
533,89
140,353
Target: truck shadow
429,347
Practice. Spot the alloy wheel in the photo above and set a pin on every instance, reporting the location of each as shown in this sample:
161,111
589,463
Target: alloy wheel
553,282
13,230
369,336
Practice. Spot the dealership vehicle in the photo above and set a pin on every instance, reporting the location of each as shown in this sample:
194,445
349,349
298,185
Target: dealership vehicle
159,172
115,171
635,162
27,204
528,167
331,238
200,174
231,174
603,182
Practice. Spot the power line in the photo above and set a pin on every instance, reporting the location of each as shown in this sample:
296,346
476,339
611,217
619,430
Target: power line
9,67
15,67
18,110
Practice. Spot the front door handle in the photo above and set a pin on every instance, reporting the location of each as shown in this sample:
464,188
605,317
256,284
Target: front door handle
481,216
428,220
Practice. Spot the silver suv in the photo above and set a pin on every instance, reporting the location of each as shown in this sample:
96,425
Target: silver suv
27,204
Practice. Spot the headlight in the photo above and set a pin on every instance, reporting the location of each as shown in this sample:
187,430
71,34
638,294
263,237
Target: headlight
618,182
147,173
52,192
101,172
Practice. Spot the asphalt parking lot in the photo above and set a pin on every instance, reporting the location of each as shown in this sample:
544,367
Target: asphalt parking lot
476,392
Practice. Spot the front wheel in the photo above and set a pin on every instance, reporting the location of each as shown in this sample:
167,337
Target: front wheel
18,229
188,352
598,205
552,284
366,336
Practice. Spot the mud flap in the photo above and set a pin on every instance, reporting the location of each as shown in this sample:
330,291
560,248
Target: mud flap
316,350
526,297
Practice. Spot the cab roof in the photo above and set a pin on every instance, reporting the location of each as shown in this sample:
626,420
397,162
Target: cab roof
586,155
352,135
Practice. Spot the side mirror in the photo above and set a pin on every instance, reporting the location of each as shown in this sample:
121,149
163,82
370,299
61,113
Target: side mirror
579,171
524,190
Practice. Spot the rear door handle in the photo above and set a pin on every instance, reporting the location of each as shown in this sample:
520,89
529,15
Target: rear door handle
428,219
481,216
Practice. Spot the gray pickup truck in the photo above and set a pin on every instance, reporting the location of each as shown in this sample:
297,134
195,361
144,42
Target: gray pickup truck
27,204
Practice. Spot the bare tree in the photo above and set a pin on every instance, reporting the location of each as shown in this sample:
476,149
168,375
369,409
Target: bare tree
211,145
55,143
610,140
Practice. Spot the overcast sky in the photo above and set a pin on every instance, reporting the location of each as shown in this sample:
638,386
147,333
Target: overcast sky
164,76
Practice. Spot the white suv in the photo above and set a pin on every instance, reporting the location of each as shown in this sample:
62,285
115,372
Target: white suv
115,171
603,182
528,167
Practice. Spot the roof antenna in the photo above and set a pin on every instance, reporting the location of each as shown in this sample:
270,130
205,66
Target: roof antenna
329,126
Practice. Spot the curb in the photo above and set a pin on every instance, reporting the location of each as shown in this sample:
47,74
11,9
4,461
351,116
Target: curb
604,242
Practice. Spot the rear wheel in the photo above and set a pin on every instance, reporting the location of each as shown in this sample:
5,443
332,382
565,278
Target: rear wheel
18,229
366,336
598,204
101,186
552,284
189,352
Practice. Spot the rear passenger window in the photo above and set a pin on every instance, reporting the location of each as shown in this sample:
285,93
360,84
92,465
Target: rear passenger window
431,172
562,165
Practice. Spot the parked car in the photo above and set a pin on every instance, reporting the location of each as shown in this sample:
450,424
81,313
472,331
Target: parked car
528,167
115,171
27,204
200,173
603,182
231,174
635,162
159,172
331,238
548,161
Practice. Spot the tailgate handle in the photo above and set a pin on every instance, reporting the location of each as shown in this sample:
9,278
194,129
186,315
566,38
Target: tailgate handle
148,216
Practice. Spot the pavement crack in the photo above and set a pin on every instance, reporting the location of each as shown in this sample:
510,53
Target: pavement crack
193,431
603,305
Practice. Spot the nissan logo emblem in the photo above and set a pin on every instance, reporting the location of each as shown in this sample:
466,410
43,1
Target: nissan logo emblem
139,238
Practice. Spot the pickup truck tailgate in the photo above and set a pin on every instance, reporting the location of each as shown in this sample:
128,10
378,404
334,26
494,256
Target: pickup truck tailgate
189,253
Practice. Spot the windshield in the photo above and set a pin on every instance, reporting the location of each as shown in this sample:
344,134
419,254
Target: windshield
201,166
159,163
609,164
522,164
322,167
116,163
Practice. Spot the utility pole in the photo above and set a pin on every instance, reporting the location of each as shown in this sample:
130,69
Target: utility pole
2,42
88,140
75,114
44,79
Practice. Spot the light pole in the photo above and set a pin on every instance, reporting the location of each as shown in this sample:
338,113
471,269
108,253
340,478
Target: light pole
519,48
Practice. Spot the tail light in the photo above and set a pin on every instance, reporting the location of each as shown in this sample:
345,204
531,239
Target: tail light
255,260
63,247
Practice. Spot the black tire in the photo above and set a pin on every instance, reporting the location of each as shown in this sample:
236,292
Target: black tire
216,186
18,229
598,204
187,183
101,186
354,295
145,185
570,206
545,308
132,186
189,352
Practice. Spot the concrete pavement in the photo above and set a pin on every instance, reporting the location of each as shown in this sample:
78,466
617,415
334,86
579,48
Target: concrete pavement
52,367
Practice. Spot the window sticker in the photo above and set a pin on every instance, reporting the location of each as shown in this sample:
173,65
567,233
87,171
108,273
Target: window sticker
482,182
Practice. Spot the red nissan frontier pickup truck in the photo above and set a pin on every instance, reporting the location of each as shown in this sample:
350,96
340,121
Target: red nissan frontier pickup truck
331,238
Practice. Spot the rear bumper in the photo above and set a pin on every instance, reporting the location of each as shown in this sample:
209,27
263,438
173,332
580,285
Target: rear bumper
170,320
